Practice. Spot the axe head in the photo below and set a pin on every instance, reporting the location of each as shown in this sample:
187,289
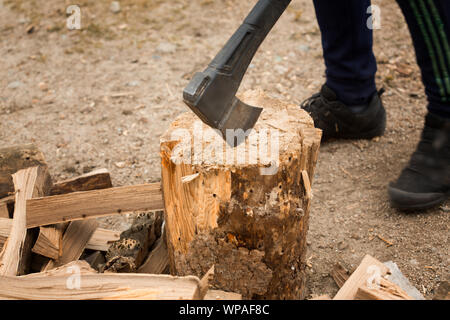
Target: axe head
212,97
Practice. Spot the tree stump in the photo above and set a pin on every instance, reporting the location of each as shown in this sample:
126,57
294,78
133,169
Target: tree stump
244,210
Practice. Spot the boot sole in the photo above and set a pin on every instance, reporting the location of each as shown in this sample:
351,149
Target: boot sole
376,132
404,200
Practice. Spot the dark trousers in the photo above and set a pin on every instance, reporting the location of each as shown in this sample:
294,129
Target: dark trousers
350,63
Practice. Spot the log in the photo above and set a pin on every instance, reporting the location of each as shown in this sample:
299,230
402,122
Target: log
241,209
370,270
15,158
28,183
74,242
5,230
339,274
97,179
92,204
386,290
157,261
4,212
49,241
102,239
78,281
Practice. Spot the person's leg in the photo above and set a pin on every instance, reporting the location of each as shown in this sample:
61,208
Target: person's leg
425,182
429,24
348,105
347,49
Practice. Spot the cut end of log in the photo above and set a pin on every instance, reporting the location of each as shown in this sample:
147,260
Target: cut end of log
189,140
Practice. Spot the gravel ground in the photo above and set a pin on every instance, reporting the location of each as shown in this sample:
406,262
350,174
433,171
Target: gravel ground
102,96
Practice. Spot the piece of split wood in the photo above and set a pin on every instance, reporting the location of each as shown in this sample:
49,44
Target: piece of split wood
94,180
102,239
222,295
5,230
158,259
78,281
92,204
189,178
385,290
74,242
49,241
370,270
4,213
204,282
339,274
28,183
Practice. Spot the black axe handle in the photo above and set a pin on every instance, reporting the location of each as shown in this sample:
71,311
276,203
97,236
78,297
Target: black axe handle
211,93
235,57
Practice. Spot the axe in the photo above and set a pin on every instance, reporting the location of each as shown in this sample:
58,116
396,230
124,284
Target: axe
211,94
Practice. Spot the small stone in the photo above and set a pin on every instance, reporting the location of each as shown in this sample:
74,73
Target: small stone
14,85
166,47
304,48
43,86
413,262
134,83
127,112
115,7
120,164
342,245
280,69
87,110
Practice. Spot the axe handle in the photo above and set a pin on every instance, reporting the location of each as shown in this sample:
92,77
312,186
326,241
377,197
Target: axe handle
235,57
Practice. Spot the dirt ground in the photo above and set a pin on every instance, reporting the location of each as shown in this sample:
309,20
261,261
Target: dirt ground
102,96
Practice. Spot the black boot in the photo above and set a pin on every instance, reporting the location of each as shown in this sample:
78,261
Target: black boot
340,121
425,182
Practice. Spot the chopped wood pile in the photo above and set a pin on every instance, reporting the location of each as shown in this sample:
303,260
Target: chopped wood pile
372,280
51,246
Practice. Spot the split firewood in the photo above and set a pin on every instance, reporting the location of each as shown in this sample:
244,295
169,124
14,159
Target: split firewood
49,240
384,290
339,274
74,242
97,179
128,253
28,183
222,295
369,271
243,208
78,281
4,212
5,230
91,204
157,261
101,239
